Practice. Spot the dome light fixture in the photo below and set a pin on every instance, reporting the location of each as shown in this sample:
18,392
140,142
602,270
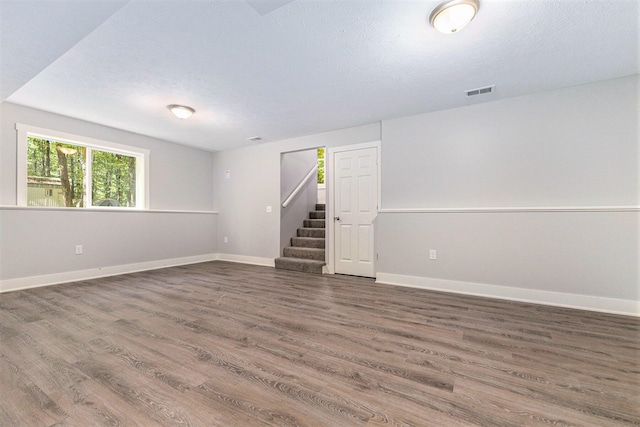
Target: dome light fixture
453,15
181,111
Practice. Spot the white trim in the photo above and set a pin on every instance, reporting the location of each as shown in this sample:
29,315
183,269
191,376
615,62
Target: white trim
535,296
94,273
328,179
245,259
517,209
103,209
21,167
142,180
88,175
9,285
141,155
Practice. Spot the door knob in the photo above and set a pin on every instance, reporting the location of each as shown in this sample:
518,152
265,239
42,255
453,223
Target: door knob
336,218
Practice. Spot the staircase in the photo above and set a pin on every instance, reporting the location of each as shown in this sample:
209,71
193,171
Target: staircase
306,252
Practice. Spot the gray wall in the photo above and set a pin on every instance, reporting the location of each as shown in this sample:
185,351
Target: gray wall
584,253
567,148
40,242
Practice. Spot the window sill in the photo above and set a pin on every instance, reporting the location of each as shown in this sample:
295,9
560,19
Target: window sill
103,209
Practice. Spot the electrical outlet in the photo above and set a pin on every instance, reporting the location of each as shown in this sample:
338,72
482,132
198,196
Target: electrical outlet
227,174
78,249
433,254
226,239
269,209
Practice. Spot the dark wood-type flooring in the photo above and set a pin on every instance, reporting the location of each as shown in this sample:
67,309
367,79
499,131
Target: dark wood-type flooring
222,344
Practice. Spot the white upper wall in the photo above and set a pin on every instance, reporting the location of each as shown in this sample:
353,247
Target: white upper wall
576,146
180,177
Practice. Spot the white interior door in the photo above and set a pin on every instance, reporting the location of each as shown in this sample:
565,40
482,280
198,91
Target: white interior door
355,208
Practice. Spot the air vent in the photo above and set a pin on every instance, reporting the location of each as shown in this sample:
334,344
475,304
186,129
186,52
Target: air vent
255,139
480,91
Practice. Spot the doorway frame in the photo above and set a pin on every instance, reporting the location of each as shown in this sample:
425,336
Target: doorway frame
329,182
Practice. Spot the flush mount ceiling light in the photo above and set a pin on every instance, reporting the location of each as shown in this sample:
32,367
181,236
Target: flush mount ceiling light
181,111
453,15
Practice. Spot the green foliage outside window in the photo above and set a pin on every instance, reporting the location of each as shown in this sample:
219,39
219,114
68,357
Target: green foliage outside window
320,165
57,175
113,178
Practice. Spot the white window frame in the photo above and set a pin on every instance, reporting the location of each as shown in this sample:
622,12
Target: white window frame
141,155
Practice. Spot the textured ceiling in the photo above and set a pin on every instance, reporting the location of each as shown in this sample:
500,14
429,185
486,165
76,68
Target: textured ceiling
285,68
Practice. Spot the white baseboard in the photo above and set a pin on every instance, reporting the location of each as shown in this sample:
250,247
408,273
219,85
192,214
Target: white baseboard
94,273
20,283
244,259
558,299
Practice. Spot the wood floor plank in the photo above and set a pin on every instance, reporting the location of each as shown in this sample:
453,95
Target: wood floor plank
23,402
225,344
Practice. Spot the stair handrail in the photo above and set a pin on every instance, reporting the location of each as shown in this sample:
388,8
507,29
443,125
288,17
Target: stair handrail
302,183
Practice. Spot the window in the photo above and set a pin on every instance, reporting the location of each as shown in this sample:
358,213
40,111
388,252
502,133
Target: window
63,170
320,165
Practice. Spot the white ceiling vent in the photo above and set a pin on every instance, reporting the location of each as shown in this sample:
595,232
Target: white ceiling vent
255,139
480,91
